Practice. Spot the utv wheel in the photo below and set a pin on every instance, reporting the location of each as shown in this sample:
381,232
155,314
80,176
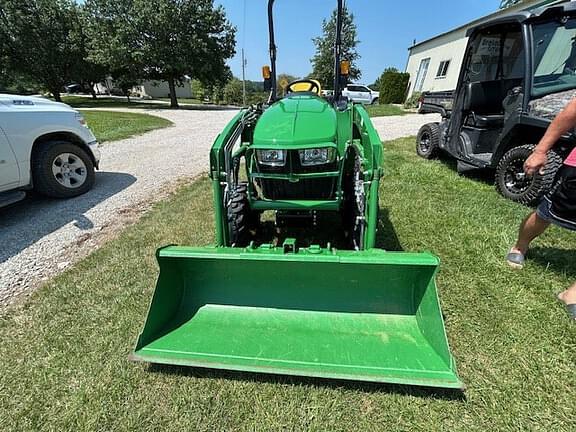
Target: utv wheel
513,183
428,141
241,219
62,170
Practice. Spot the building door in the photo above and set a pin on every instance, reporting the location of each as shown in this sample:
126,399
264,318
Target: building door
421,76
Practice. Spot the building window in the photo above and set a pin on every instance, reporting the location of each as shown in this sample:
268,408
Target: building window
443,69
421,76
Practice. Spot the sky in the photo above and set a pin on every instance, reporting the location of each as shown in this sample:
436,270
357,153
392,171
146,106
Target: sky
386,29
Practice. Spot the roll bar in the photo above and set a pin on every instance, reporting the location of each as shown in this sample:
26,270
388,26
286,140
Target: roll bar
337,51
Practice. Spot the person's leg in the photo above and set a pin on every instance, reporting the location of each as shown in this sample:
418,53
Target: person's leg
532,227
568,297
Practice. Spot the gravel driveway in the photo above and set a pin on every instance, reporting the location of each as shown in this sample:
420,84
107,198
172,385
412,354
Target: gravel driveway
40,237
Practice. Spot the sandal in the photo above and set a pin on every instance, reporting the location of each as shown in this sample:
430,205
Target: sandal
515,260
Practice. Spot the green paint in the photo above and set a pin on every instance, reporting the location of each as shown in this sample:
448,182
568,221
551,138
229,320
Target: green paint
368,316
296,122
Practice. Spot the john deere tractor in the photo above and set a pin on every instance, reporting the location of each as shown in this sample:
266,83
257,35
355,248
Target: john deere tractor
296,307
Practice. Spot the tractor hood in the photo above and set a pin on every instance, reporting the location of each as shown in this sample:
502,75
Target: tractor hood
299,121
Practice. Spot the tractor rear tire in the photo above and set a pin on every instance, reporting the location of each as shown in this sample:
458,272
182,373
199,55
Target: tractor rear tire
242,220
428,141
512,183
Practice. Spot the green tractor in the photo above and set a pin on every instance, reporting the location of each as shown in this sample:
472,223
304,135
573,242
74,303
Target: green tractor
297,307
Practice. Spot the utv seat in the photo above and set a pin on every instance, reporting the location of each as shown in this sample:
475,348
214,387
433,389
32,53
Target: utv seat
487,121
483,102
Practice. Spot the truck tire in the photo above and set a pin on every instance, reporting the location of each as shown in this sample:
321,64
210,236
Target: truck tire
241,219
61,169
512,182
375,102
428,141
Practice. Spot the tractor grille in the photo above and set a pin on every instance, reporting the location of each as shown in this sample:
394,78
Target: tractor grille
305,189
308,189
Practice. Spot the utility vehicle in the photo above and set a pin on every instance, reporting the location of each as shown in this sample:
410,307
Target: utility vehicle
519,71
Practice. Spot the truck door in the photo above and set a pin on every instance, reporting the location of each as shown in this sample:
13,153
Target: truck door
353,93
9,172
364,94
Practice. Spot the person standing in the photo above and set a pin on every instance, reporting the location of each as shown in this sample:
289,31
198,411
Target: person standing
558,207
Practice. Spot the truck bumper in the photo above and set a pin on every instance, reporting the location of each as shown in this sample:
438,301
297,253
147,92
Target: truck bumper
93,146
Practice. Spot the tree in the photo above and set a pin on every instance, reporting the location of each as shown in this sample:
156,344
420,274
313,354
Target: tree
323,60
163,39
233,92
198,89
393,86
283,77
39,40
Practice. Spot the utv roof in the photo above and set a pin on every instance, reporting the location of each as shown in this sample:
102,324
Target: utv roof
568,8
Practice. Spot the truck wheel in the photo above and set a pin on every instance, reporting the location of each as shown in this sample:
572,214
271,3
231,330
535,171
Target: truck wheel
514,184
375,102
241,219
61,169
428,141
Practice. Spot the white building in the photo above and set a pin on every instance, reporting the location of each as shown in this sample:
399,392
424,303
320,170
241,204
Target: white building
434,65
159,89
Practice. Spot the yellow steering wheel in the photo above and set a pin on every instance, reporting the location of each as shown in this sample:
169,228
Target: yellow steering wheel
305,85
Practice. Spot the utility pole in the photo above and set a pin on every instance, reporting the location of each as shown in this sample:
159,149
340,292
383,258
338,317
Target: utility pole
243,78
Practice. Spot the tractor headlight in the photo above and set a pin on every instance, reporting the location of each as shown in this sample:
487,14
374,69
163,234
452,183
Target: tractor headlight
317,156
272,158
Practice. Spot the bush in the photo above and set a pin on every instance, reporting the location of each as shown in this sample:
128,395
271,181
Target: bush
412,101
393,86
233,92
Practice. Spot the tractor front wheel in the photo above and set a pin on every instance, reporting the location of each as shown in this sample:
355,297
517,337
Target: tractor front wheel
242,220
354,211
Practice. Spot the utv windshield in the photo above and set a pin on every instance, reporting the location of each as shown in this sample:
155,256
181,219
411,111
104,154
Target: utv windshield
554,57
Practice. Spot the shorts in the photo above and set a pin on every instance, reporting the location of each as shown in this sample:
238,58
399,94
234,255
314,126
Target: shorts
559,206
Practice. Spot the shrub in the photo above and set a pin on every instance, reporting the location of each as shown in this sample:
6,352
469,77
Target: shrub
412,101
393,85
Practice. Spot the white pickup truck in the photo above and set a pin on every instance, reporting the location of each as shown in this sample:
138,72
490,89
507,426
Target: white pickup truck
361,94
45,146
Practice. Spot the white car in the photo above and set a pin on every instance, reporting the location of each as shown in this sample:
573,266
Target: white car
361,94
45,146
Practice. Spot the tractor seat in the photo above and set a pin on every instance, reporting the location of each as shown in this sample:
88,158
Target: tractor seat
485,121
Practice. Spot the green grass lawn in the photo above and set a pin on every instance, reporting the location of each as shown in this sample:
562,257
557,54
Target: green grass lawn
113,125
107,102
64,353
384,110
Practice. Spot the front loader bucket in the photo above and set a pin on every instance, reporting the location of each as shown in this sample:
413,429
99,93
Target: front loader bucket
366,316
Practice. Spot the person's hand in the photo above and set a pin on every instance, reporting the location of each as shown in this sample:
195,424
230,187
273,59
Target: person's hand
535,163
